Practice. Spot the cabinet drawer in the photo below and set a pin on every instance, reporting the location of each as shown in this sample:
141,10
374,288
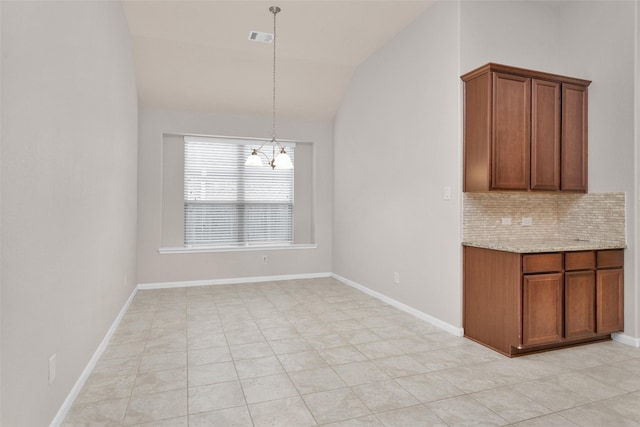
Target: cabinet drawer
541,263
580,260
609,259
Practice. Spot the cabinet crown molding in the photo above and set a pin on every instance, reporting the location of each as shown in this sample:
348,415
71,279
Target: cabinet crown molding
523,72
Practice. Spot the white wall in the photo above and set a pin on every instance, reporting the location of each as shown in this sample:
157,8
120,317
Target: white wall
635,196
397,145
154,267
68,195
1,55
593,40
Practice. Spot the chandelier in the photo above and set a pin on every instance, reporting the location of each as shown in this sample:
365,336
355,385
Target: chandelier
282,159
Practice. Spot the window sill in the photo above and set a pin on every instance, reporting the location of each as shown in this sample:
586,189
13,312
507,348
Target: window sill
246,248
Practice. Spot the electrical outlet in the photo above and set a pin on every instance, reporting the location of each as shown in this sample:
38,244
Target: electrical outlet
526,220
396,277
52,369
506,221
265,259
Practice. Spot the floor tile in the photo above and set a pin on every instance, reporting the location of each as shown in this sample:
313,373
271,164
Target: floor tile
101,388
411,344
212,374
414,416
471,379
207,356
597,415
325,341
102,413
628,405
281,413
215,396
156,406
549,394
379,349
429,387
315,380
360,336
584,385
206,340
230,417
629,365
272,387
366,421
110,367
360,373
166,344
400,366
341,355
157,381
384,396
173,422
280,333
335,405
128,337
258,367
615,377
241,336
551,420
162,361
293,345
293,362
116,351
463,410
250,351
346,325
510,405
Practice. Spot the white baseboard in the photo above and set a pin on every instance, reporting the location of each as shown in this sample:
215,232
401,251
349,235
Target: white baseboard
164,285
459,332
626,339
73,394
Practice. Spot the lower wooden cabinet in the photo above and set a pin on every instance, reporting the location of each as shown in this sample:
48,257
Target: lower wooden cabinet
580,304
609,300
542,307
519,303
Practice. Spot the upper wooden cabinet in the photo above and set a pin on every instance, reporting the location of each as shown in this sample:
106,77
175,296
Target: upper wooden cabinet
524,130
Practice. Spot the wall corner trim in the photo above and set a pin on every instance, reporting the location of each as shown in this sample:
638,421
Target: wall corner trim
75,390
459,332
626,339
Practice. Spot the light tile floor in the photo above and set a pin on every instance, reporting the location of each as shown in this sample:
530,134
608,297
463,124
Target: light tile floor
317,352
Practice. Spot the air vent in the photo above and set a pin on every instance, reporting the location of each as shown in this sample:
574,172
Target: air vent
257,36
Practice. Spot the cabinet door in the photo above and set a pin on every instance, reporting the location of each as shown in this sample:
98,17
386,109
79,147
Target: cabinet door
542,303
511,132
573,175
610,300
579,304
545,135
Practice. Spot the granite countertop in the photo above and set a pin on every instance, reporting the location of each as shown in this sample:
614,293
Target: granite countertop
544,245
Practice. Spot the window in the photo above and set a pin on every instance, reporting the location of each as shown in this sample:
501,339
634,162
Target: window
227,203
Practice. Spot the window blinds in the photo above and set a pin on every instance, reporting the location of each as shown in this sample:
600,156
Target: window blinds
228,203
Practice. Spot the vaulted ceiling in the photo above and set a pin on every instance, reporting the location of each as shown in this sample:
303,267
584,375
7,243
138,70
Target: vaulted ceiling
196,56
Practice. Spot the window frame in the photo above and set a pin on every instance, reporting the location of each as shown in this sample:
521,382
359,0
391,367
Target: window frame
218,185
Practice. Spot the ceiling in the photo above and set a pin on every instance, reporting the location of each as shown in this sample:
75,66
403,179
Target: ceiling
196,56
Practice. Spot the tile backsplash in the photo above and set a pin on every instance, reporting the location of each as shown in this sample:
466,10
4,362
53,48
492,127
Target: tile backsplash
593,216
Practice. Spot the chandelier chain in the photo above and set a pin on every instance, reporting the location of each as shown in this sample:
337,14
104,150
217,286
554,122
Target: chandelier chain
274,10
